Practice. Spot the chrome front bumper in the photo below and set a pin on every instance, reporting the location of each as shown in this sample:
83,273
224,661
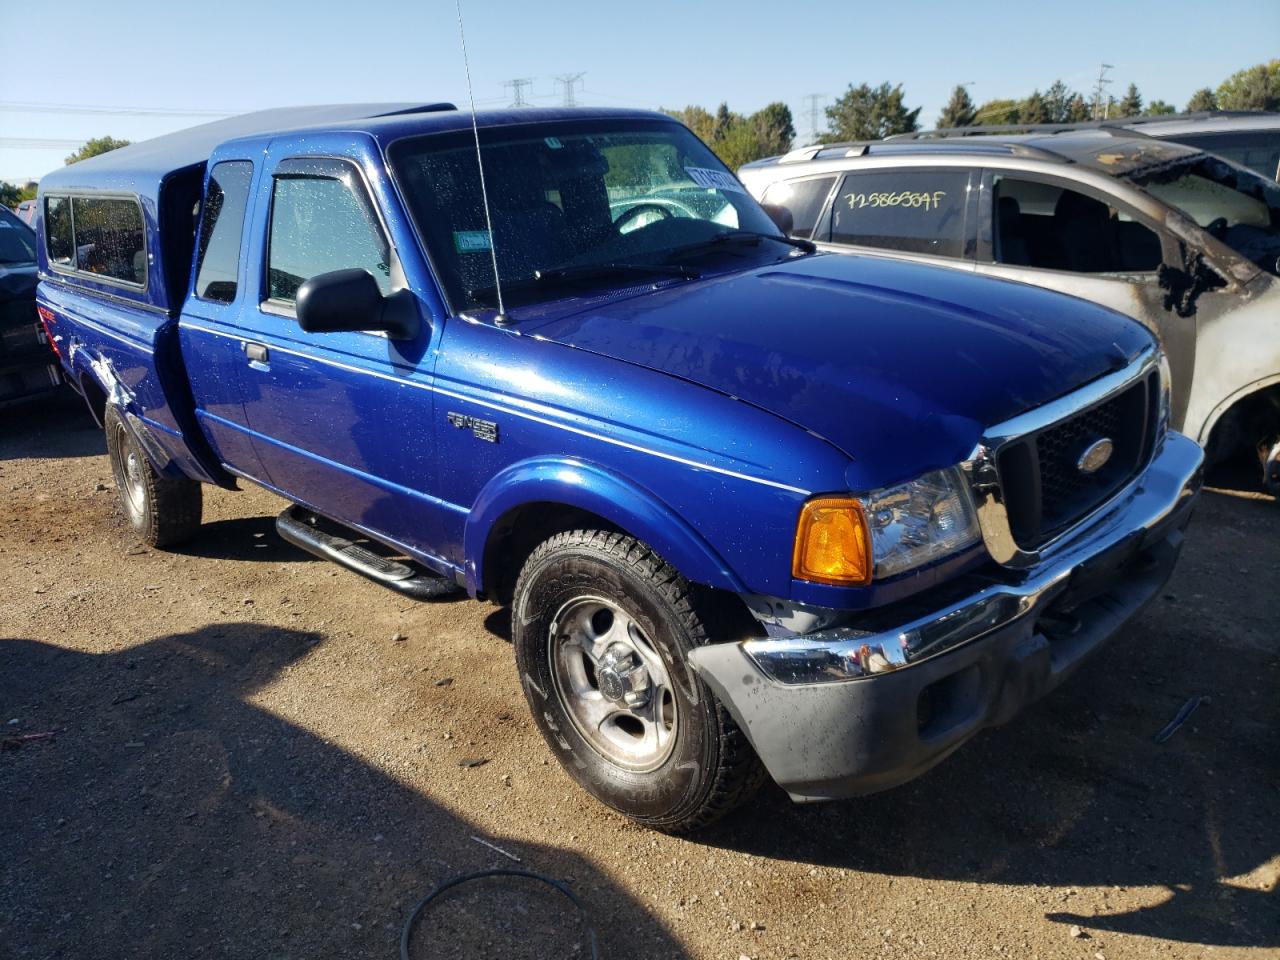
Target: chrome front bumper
853,710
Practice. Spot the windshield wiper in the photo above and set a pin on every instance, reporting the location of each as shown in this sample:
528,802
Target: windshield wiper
589,271
749,237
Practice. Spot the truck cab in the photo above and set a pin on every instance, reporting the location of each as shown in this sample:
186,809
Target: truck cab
756,509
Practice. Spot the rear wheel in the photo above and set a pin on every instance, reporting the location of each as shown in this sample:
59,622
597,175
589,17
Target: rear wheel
602,628
162,510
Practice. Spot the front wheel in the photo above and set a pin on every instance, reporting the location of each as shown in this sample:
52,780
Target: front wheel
602,628
162,510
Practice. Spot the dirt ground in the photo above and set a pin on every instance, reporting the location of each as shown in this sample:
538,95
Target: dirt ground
245,762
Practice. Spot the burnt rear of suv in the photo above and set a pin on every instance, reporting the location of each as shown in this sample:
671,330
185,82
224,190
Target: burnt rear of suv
1045,486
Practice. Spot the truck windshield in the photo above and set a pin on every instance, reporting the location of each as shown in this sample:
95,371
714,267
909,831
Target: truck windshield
575,205
1236,205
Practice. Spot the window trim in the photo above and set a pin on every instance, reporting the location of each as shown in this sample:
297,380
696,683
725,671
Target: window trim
296,163
75,272
197,256
972,178
985,253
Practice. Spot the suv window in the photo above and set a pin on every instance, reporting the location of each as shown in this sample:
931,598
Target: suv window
322,222
109,238
915,211
803,199
59,243
218,258
1042,225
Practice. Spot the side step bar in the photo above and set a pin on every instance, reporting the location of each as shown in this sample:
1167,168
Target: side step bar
303,529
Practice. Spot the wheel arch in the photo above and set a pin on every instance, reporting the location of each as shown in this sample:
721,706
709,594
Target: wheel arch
1258,392
534,499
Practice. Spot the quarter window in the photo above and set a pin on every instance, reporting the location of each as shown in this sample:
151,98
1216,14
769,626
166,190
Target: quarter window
321,223
58,239
915,211
109,238
218,257
1040,224
803,199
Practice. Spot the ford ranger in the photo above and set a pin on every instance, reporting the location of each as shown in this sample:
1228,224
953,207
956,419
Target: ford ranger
756,509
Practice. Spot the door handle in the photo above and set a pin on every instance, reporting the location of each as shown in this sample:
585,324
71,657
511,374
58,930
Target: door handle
256,352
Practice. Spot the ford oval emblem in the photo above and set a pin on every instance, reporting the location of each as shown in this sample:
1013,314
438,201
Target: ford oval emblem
1095,456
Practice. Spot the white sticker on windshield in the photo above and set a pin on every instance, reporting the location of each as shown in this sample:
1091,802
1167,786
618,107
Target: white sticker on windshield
472,241
715,179
553,142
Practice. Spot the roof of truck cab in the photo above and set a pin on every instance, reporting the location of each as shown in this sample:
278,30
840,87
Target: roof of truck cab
141,167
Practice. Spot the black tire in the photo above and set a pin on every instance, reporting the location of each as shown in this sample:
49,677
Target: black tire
710,768
163,511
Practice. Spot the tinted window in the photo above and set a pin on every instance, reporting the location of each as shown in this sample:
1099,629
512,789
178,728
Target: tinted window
57,231
109,238
916,211
1258,150
17,240
1043,225
803,199
320,224
218,260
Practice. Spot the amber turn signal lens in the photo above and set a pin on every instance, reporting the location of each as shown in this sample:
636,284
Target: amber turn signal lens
832,543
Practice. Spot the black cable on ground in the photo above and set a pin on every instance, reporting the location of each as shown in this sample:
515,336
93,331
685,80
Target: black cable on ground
562,887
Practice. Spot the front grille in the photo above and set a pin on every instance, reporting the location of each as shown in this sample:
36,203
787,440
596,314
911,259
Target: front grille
1044,489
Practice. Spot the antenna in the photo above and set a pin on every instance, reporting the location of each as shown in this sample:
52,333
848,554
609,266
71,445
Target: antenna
501,318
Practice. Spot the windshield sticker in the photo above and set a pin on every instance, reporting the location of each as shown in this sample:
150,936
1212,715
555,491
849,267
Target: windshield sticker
472,241
907,198
715,179
553,142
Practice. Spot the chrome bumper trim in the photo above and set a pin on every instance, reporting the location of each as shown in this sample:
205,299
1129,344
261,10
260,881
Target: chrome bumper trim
1157,496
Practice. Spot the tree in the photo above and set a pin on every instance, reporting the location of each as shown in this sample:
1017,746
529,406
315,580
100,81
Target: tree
1255,88
774,127
998,112
1033,109
1079,111
1131,105
1203,99
959,110
96,146
698,120
10,194
1158,108
870,113
1057,102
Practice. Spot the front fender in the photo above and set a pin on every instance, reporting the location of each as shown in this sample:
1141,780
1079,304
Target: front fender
588,486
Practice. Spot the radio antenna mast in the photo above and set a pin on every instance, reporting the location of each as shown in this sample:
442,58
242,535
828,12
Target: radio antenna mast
501,318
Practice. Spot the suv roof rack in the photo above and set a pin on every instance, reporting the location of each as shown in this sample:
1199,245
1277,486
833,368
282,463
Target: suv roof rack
1117,126
904,144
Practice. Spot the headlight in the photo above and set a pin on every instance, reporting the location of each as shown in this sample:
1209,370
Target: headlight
849,541
1166,398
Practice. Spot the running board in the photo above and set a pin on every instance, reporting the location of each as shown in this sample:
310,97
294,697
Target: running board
303,529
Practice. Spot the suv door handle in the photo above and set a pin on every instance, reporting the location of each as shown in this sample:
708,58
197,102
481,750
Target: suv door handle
256,352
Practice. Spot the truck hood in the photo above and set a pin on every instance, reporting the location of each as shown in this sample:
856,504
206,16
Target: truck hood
899,365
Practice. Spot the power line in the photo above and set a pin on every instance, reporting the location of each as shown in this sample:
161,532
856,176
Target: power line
569,84
517,88
23,106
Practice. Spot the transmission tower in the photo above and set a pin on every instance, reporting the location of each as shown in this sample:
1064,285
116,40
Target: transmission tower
814,111
1101,102
517,88
570,84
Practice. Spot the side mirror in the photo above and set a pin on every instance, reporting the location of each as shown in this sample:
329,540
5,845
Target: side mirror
349,300
781,216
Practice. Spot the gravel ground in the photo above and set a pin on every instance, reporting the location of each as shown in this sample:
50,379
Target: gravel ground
246,762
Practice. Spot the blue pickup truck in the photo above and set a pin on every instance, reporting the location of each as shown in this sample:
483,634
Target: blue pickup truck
756,509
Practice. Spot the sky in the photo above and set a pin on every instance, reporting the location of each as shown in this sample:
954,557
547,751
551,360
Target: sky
152,66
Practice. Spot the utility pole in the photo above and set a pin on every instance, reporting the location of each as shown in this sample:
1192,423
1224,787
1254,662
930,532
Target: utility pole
1101,102
570,83
517,88
814,110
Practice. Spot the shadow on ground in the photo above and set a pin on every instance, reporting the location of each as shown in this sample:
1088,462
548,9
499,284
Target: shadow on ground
171,817
1075,792
55,424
